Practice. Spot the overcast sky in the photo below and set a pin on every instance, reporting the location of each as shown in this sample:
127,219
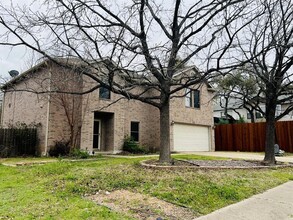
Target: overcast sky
18,58
11,58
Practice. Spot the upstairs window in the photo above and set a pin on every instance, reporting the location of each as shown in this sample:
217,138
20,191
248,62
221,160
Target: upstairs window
104,93
278,110
258,115
248,115
134,130
192,98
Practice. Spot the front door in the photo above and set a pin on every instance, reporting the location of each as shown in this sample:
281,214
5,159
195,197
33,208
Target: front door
97,134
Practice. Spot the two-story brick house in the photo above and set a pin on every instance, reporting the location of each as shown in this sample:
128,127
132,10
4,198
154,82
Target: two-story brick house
103,118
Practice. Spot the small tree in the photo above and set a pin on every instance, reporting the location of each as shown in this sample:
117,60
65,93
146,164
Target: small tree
65,88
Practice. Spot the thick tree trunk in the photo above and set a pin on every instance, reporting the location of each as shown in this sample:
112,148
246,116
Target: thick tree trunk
269,158
270,142
165,154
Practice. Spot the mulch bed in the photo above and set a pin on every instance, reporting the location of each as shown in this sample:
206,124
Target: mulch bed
213,164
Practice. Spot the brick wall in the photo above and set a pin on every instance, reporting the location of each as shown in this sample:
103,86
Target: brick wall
43,109
124,111
27,107
202,116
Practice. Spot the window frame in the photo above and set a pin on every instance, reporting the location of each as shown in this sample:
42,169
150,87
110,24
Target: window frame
102,90
190,98
278,110
258,115
196,94
134,131
248,116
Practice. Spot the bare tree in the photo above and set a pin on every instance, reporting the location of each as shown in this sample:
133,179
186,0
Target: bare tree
68,84
138,42
270,43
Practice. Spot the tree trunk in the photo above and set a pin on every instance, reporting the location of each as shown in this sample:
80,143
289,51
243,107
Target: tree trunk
269,158
270,142
165,153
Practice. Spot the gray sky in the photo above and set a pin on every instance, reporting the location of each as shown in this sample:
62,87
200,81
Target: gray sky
10,58
18,58
14,58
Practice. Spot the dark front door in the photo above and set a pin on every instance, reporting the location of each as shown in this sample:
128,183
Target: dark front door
97,134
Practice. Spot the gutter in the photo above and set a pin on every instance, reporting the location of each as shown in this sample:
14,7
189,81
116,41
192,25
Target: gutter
45,153
2,108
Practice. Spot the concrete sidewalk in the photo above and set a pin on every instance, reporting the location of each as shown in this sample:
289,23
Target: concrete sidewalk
242,155
274,204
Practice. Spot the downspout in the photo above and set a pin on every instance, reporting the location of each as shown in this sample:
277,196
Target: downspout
45,153
2,108
13,110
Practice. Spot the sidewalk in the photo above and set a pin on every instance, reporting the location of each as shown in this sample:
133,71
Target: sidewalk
274,204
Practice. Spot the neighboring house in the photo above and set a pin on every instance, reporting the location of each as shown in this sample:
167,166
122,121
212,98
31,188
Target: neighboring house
235,110
102,119
230,110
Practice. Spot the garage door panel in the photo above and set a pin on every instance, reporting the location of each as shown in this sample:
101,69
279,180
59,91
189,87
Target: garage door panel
191,138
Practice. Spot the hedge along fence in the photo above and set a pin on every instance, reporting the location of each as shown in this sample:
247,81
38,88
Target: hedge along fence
18,141
251,136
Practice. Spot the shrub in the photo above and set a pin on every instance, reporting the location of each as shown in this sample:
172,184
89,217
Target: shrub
241,120
77,153
5,151
223,121
132,146
61,148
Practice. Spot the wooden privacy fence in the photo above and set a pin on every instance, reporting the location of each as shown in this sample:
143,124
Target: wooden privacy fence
18,141
251,136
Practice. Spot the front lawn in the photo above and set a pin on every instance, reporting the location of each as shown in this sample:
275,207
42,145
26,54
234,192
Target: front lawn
55,190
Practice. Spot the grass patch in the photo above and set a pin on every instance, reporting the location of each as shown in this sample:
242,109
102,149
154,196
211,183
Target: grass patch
56,190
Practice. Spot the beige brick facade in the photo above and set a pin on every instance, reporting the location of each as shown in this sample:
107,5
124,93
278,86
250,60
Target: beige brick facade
115,115
27,107
122,112
202,116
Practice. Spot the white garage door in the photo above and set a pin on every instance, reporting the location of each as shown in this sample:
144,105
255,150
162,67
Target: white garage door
191,138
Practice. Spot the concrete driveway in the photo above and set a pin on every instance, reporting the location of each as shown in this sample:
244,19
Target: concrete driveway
240,155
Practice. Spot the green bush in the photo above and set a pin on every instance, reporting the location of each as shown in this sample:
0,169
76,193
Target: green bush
5,151
132,146
241,120
223,121
77,153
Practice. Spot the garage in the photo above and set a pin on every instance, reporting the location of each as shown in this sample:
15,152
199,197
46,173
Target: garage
191,138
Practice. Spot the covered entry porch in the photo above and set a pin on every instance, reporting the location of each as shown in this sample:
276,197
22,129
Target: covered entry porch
103,131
